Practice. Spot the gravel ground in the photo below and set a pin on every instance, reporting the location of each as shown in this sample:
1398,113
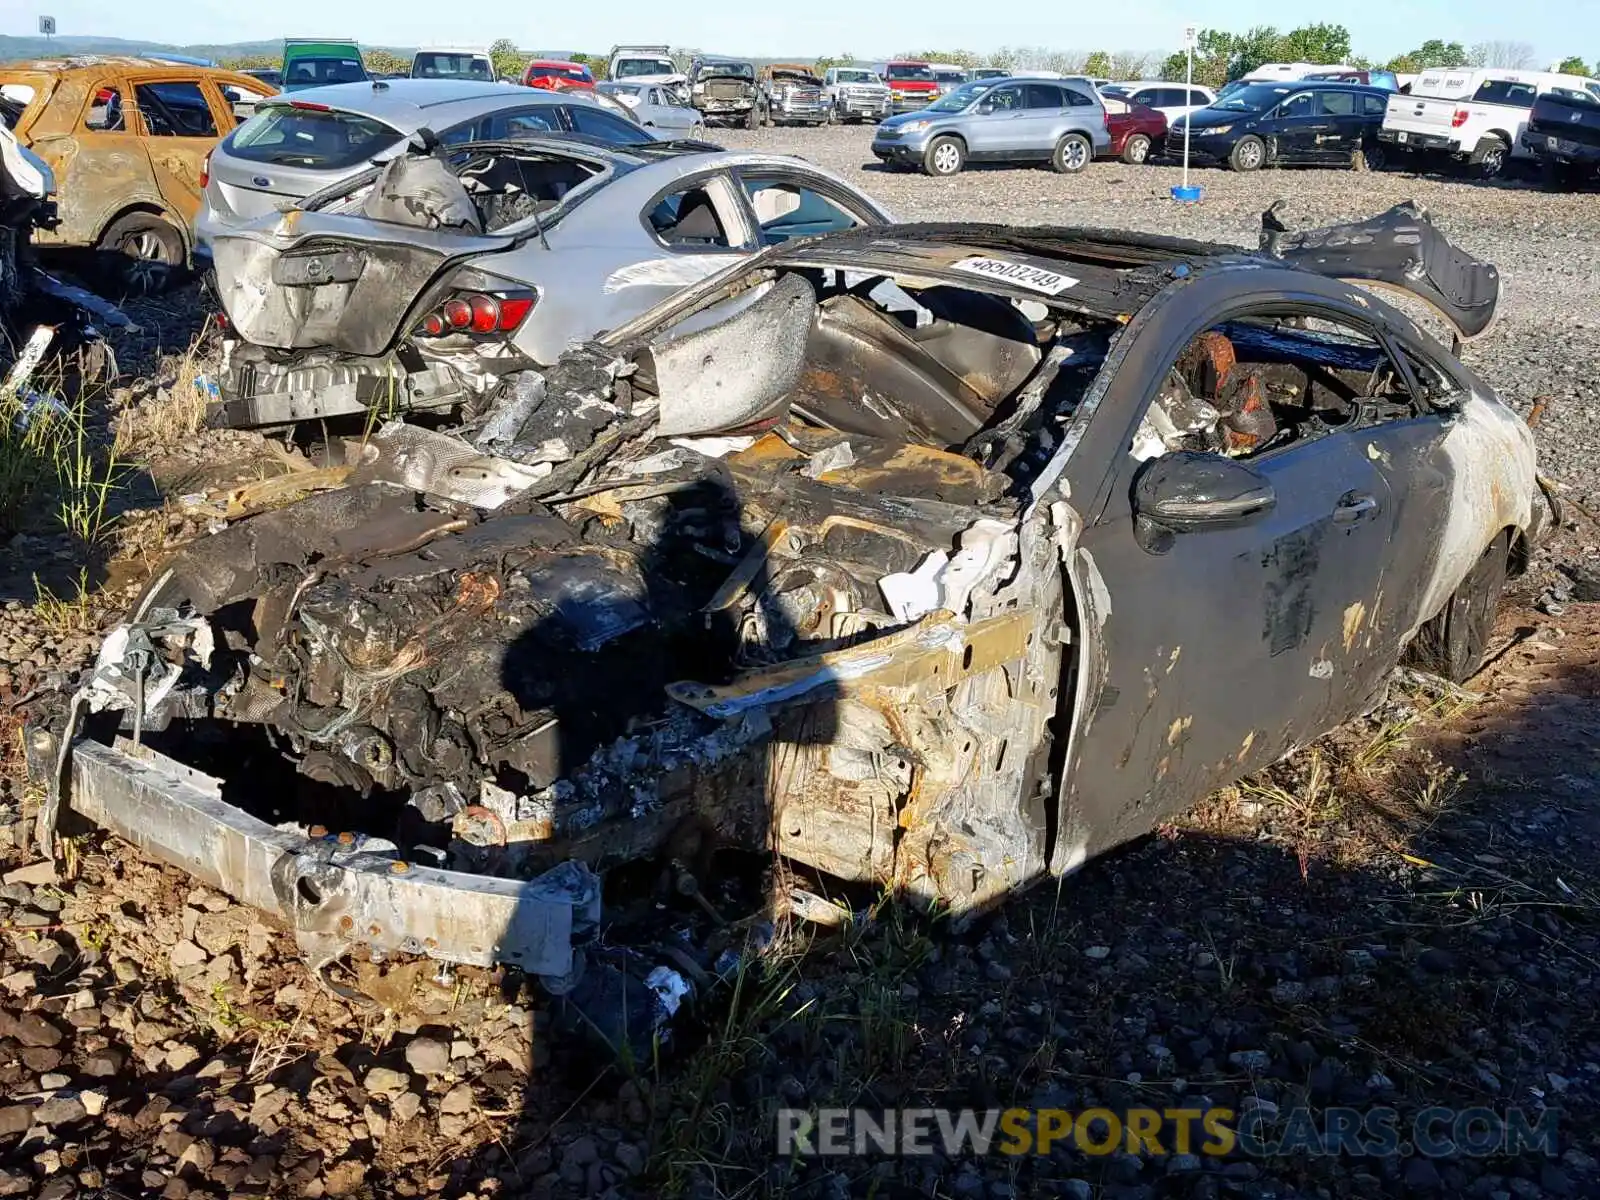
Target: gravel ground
1403,917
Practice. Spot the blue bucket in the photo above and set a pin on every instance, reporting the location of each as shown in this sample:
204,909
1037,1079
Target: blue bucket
1187,195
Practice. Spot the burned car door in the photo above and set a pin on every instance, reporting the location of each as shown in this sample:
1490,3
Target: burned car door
1236,545
180,130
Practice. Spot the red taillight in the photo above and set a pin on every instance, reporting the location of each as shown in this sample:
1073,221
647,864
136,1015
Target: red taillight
309,106
1459,119
513,310
205,169
485,313
479,312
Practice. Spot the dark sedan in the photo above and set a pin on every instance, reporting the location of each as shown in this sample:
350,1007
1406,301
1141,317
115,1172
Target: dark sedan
1306,122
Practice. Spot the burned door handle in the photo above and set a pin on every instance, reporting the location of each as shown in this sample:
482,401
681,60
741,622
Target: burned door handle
1353,506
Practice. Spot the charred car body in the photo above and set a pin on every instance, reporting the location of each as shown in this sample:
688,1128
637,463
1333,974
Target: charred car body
127,139
940,558
726,92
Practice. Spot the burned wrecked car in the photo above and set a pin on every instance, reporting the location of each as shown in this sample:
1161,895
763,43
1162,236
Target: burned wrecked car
424,284
938,559
726,92
127,139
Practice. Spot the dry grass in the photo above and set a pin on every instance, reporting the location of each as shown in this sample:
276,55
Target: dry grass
1362,791
175,412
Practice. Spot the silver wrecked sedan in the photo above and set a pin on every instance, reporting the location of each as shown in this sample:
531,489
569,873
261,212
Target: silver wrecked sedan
306,141
456,268
657,107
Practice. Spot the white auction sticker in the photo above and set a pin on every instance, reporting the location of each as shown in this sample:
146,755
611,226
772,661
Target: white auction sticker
1037,278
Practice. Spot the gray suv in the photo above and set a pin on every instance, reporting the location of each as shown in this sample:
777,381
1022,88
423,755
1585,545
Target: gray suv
1061,122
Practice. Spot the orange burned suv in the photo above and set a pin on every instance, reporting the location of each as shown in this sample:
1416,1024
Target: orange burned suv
127,139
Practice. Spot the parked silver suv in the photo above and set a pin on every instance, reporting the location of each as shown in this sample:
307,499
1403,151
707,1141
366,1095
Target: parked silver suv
1062,122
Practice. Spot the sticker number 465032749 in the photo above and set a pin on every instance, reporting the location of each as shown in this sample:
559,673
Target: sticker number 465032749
1035,278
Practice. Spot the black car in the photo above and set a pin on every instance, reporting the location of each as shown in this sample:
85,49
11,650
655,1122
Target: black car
1310,122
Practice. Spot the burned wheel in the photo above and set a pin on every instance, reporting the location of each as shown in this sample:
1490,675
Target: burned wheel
153,246
1452,644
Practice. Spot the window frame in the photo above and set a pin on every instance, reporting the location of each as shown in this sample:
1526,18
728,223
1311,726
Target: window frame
641,134
1324,95
206,103
1399,352
745,178
727,198
115,83
988,98
1281,112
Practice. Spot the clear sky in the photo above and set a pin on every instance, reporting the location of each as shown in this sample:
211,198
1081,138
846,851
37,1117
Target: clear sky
1378,28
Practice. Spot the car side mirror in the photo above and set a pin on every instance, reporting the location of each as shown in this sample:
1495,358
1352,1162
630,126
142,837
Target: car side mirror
1189,491
985,107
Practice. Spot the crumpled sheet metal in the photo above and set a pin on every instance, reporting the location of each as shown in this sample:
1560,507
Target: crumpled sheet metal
336,893
938,647
439,464
739,372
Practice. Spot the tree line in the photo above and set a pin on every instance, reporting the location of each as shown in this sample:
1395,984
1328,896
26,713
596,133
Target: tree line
1218,57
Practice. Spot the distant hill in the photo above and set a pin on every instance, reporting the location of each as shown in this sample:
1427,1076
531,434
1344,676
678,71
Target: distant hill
15,48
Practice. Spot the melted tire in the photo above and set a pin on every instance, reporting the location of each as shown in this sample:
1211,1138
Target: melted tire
1453,643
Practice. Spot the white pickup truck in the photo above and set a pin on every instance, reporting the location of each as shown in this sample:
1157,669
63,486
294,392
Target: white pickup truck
1474,116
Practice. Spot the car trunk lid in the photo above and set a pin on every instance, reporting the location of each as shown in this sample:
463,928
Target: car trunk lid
307,280
350,280
1399,249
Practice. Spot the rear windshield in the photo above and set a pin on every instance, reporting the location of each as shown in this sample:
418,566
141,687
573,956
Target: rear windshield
908,71
313,72
1504,91
433,65
297,137
644,66
579,73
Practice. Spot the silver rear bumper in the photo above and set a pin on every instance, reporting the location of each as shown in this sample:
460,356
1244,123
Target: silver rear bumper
257,391
335,891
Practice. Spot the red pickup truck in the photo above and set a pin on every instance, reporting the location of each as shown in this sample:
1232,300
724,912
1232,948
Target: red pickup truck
912,85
